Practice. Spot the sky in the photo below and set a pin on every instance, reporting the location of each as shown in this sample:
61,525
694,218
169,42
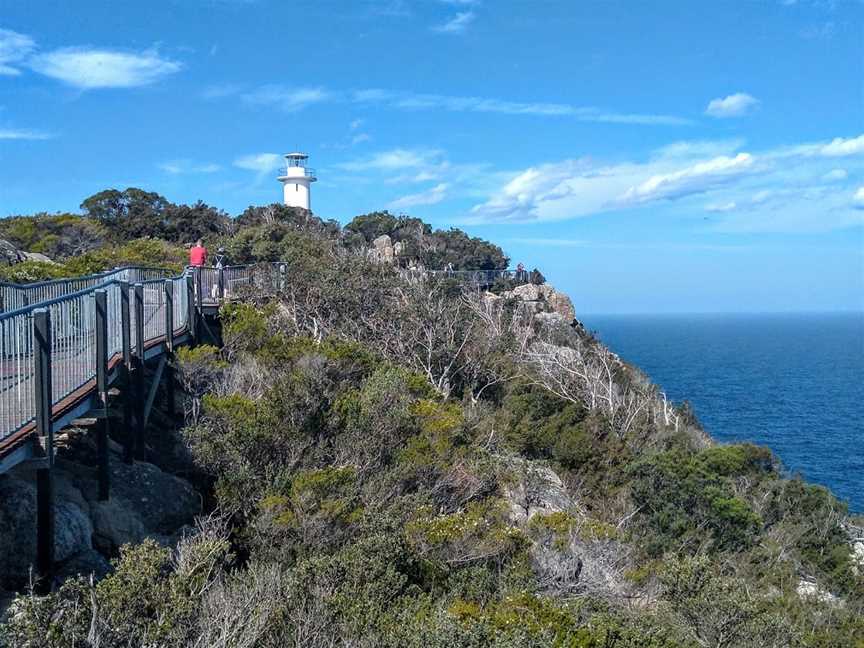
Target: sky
648,157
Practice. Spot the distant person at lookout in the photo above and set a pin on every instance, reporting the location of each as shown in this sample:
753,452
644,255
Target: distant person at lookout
198,254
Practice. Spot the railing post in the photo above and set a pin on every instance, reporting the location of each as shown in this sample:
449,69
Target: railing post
169,346
45,431
199,294
138,371
221,284
128,400
101,304
191,316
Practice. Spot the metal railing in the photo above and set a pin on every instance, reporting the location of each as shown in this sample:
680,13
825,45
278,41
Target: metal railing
72,322
14,296
307,173
138,307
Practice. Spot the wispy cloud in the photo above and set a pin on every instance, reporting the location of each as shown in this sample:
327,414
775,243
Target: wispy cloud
184,167
89,68
23,134
835,175
429,197
420,101
285,98
457,24
719,208
735,105
858,198
14,48
397,159
262,163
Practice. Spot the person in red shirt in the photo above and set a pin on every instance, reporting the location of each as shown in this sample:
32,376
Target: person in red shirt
197,254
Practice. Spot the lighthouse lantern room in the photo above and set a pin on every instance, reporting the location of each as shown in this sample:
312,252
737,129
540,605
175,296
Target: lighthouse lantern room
296,180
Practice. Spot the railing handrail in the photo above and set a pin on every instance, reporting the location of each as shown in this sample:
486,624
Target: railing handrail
81,293
95,275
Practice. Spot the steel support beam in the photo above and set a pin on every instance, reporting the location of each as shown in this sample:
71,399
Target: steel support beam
101,304
45,431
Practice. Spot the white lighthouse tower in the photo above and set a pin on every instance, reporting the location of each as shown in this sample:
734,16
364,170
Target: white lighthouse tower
296,179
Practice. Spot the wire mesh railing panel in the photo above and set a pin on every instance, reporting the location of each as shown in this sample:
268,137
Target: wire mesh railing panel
73,344
17,398
154,310
237,279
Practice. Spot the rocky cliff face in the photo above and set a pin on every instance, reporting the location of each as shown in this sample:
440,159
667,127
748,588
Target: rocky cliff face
10,254
145,502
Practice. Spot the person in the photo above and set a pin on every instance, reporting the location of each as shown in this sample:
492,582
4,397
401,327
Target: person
520,272
221,258
198,254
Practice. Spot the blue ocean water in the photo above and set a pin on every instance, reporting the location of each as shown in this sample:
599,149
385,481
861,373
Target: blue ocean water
791,382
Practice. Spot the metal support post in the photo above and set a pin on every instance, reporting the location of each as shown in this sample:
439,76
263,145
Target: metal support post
45,432
138,371
101,303
128,400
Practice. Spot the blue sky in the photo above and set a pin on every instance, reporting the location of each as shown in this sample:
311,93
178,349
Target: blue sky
648,156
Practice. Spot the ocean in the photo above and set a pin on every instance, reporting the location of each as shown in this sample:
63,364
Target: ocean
791,382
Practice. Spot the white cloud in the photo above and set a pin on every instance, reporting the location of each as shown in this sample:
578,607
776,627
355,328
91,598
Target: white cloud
735,105
183,167
23,134
287,99
720,207
359,138
836,175
354,125
394,160
780,189
263,163
842,147
220,90
761,196
429,197
99,68
14,48
456,25
421,101
858,198
694,179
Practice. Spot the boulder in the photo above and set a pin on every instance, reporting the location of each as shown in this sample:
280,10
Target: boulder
536,489
808,589
36,256
526,292
561,304
85,563
73,528
145,501
382,249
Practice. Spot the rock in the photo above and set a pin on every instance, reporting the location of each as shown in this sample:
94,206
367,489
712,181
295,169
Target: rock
73,529
382,249
561,304
9,254
17,529
144,502
538,489
36,256
858,556
398,248
526,292
810,590
86,563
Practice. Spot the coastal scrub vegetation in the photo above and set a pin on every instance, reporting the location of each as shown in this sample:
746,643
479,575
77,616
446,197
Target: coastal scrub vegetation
412,463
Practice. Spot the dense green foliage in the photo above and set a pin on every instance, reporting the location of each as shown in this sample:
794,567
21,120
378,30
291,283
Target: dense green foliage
393,464
434,249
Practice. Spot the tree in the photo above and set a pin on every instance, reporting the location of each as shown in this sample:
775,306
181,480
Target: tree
132,213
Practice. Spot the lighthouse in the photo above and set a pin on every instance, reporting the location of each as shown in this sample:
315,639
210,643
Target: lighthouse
296,180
